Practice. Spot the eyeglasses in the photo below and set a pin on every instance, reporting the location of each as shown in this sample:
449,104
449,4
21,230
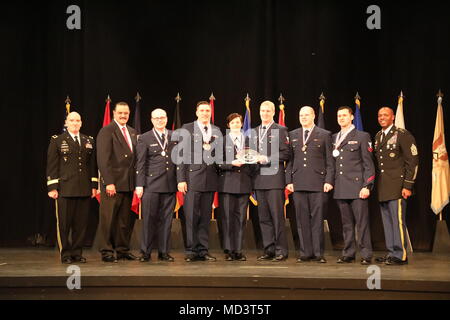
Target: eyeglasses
160,118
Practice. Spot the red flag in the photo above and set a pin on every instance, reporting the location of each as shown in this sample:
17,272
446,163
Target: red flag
211,103
177,124
281,122
106,121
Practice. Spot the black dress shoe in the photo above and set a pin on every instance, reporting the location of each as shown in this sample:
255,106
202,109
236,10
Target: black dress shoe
191,258
79,259
228,257
393,261
366,261
303,259
382,259
320,260
279,258
345,259
208,257
145,258
240,257
66,260
109,259
265,257
127,256
165,257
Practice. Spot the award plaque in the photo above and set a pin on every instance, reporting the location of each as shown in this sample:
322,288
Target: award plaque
248,156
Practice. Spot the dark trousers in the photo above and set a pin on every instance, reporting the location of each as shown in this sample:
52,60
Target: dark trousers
272,222
309,210
116,223
197,212
393,214
233,216
72,214
355,212
157,212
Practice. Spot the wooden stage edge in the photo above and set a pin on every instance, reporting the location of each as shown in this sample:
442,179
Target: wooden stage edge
38,274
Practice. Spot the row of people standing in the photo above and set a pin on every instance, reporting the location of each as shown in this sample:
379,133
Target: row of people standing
316,162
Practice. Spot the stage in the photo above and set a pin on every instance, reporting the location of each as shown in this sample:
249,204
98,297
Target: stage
36,273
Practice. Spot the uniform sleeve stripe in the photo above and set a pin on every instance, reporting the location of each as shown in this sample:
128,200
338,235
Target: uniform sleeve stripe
371,178
49,182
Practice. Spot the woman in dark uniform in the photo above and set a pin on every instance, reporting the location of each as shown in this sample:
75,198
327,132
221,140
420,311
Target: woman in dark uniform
235,186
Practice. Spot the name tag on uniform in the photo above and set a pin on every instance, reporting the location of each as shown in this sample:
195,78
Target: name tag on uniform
353,142
153,145
88,146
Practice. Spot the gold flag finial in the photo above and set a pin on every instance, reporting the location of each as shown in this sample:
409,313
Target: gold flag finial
401,94
281,99
108,99
178,98
67,101
138,97
357,97
211,97
247,98
440,94
322,97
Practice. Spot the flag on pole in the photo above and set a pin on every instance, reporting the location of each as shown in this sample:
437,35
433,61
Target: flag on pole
67,113
137,114
440,187
211,103
321,119
106,121
357,121
247,131
282,123
247,119
399,119
175,125
176,115
136,202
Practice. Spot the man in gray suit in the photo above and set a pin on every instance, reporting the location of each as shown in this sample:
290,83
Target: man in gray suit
156,184
197,178
272,142
355,176
310,176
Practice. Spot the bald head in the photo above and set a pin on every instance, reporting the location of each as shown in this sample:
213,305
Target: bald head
73,122
307,116
386,117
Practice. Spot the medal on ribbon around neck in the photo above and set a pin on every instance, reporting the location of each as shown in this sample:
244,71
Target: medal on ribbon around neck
163,146
336,153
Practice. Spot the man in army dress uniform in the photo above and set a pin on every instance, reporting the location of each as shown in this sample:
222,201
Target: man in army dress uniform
354,179
71,181
156,184
397,158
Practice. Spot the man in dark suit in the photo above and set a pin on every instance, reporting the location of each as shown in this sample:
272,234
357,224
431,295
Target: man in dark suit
197,178
71,181
355,176
156,184
310,176
116,144
398,161
271,141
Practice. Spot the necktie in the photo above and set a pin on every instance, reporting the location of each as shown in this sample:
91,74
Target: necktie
126,138
206,129
306,134
264,127
163,137
77,141
383,136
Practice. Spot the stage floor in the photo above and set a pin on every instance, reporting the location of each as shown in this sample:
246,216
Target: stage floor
36,273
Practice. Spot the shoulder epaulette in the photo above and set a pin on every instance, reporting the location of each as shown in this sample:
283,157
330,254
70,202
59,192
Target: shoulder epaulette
91,137
401,130
55,136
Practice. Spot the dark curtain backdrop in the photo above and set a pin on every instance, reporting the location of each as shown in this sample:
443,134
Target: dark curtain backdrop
234,47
